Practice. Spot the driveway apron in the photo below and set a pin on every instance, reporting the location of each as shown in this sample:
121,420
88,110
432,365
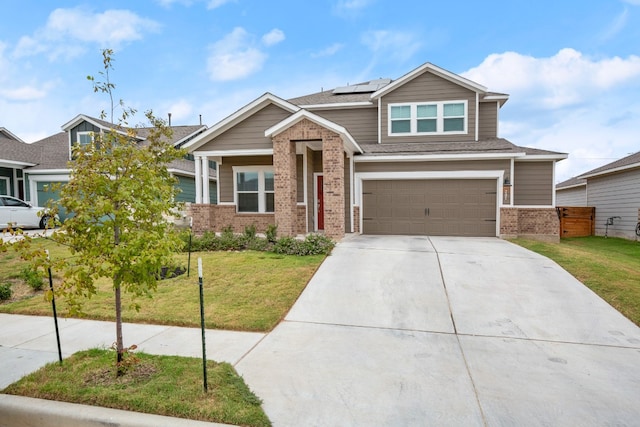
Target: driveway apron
400,330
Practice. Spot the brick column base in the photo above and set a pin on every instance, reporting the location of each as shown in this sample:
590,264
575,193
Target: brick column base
532,223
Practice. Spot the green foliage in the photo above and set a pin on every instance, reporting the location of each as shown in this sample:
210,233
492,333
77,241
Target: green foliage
313,244
32,277
5,291
271,233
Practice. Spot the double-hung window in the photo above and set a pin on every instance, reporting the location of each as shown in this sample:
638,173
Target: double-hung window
254,189
428,118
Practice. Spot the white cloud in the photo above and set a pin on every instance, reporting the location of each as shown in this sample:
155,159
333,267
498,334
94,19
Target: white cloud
214,4
568,103
563,79
181,111
328,51
234,56
68,31
23,93
348,7
396,45
273,37
615,27
633,2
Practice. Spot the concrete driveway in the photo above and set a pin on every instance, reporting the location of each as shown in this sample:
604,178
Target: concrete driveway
401,331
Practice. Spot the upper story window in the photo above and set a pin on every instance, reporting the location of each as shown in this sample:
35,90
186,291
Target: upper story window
433,118
254,189
85,138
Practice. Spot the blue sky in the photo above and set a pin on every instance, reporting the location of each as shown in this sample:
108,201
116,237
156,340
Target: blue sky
572,68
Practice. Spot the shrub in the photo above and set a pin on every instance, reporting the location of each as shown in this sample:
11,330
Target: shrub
32,278
271,233
5,291
317,244
250,232
229,241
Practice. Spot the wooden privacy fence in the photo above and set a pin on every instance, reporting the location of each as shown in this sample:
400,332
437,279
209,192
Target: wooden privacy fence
576,221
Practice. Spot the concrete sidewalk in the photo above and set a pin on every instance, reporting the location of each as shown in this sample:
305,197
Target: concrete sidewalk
29,342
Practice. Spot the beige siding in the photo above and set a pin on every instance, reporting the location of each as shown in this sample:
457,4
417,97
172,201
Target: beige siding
225,173
362,123
533,183
429,87
300,179
488,120
249,134
347,195
434,166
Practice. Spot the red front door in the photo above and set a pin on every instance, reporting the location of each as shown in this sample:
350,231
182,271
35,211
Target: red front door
320,192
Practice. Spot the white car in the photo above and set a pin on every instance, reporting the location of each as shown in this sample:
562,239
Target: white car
21,214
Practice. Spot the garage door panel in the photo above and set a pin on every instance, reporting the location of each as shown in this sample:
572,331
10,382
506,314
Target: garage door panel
447,207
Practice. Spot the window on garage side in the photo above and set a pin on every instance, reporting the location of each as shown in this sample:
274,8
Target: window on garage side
254,189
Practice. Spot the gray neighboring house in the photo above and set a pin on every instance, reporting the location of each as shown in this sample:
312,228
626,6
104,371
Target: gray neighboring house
572,192
28,169
614,190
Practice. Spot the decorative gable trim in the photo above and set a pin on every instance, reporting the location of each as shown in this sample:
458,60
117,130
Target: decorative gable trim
239,116
97,123
350,144
429,67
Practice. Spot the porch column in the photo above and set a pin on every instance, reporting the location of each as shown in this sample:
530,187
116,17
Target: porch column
198,164
334,197
285,185
205,180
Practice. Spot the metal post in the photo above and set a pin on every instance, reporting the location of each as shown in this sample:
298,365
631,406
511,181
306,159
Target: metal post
53,305
189,249
204,348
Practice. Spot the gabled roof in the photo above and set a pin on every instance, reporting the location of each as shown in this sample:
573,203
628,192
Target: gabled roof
14,153
571,183
285,124
621,165
237,117
4,133
434,69
102,124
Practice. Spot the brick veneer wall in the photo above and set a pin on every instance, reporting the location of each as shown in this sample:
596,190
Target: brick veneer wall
534,223
216,217
302,220
284,161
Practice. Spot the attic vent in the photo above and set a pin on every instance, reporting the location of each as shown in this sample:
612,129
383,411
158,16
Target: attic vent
367,87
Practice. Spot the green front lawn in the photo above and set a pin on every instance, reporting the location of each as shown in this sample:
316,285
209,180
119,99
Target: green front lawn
246,291
163,385
608,266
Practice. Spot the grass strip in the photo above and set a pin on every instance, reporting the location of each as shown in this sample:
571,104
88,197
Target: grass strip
163,385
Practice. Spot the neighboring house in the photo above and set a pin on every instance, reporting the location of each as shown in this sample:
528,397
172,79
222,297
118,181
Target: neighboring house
614,190
36,166
572,192
419,155
15,155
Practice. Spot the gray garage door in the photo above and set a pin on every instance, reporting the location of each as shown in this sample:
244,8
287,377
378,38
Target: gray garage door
446,207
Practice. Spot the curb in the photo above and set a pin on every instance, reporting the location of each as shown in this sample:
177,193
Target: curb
20,411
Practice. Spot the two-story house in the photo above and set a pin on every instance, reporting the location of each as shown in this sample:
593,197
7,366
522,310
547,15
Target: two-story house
28,170
419,155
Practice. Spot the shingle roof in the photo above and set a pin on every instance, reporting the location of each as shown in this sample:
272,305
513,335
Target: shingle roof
18,151
571,182
626,162
493,145
328,97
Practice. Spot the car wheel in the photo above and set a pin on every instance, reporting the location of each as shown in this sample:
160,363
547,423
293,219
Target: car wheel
46,222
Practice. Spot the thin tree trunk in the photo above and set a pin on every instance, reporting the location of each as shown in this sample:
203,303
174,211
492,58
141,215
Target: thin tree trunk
118,289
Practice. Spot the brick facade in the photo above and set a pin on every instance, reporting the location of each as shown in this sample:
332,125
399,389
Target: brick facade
535,223
356,219
284,162
217,217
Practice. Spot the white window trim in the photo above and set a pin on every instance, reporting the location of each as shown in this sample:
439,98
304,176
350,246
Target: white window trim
439,118
90,133
261,191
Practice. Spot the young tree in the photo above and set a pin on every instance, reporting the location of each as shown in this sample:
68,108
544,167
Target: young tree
119,195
